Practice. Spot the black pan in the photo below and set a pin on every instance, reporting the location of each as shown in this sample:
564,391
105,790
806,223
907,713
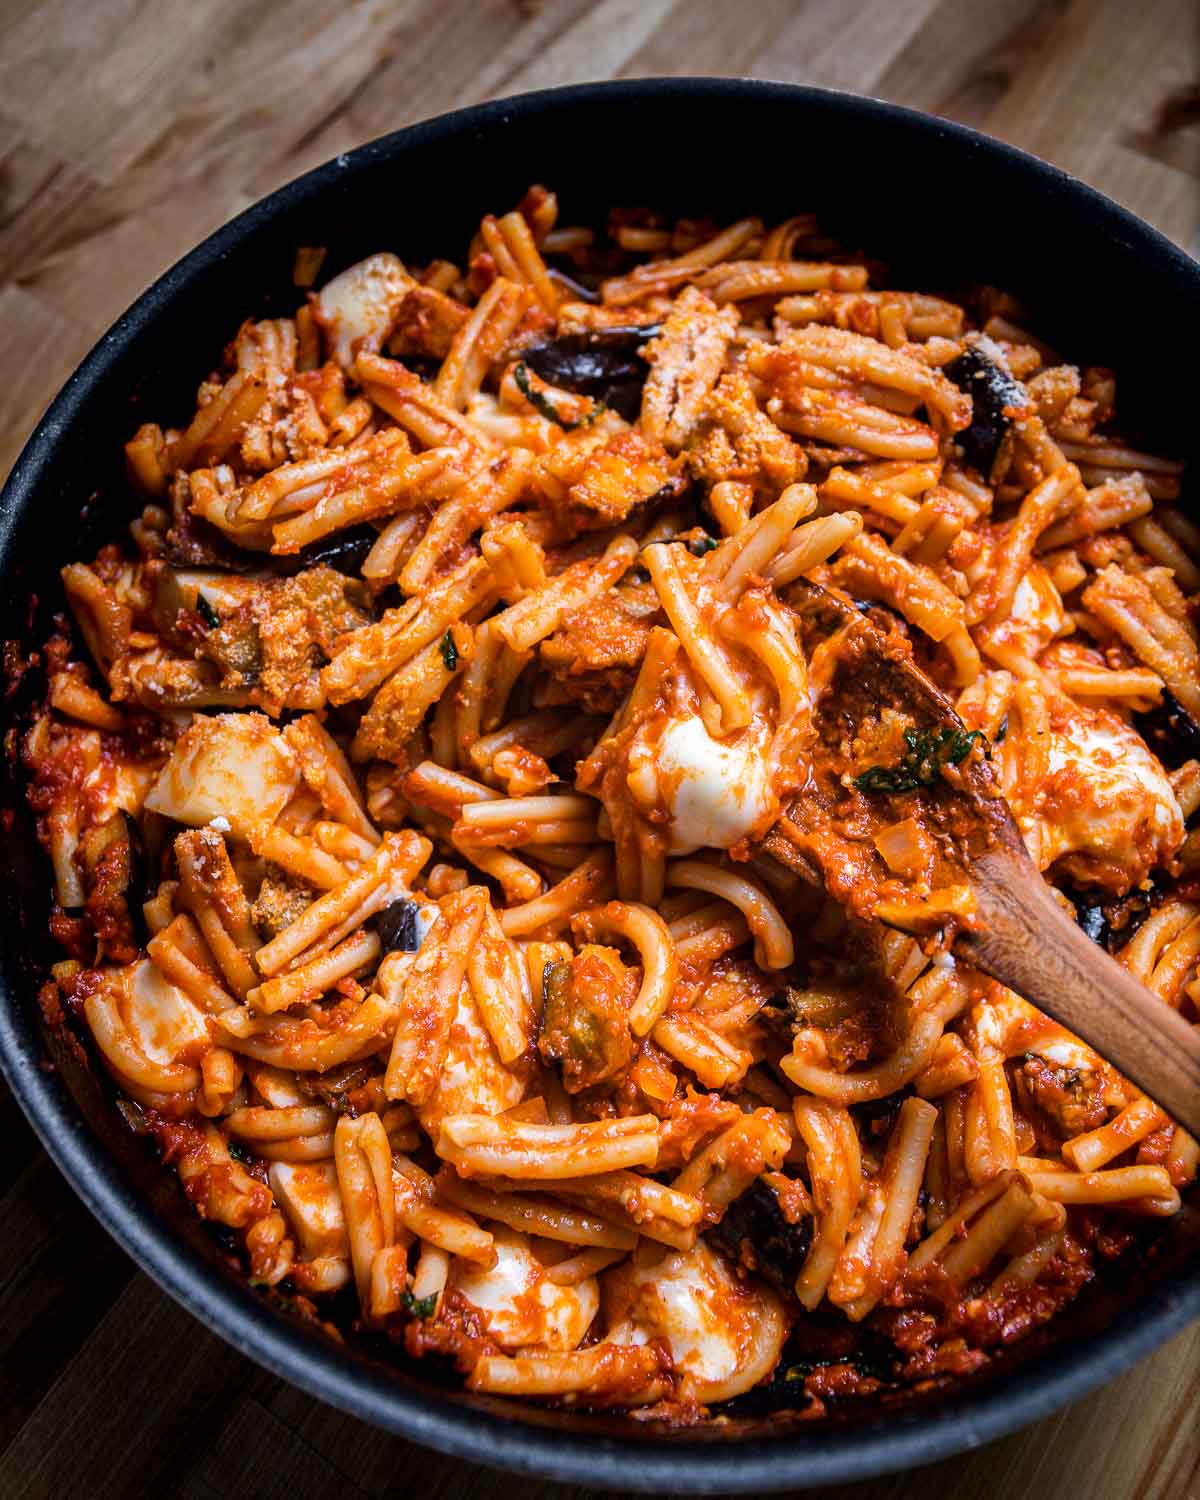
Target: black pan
945,206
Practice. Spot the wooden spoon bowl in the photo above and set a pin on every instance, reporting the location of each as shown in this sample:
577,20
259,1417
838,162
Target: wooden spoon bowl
865,682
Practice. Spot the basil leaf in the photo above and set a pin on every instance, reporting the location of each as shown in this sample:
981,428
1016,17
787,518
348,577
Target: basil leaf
928,752
420,1307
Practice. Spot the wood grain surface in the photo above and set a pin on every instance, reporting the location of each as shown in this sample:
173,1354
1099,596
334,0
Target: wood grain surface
131,128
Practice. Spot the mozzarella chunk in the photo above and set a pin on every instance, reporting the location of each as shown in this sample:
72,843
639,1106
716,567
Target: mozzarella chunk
1106,800
161,1019
109,785
359,306
716,792
130,784
277,1087
235,766
308,1194
149,1032
725,1335
524,1309
473,1080
1037,613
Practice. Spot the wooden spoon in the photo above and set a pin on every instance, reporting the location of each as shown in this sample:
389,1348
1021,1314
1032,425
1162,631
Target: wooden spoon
1019,933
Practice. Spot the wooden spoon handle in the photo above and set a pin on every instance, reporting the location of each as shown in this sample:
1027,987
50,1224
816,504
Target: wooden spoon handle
1026,941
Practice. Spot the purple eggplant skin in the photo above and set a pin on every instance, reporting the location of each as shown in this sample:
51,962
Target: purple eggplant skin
779,1248
605,364
397,927
1111,924
994,396
343,551
1170,731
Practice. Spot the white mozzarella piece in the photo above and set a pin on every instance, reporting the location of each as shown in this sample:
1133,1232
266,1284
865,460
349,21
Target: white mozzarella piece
1111,796
523,1308
277,1086
716,792
359,305
110,786
1037,609
233,766
162,1021
131,783
308,1194
1064,1052
473,1080
725,1335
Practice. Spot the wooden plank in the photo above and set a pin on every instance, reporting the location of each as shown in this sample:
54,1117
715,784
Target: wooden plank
47,1309
1100,81
963,61
601,44
51,343
721,40
253,1453
371,1460
148,1381
43,195
443,57
843,47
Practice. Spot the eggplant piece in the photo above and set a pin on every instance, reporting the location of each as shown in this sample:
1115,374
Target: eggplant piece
1111,924
782,1013
1170,731
585,1030
756,1219
785,1391
344,552
332,1088
820,1339
399,926
605,364
202,546
995,399
193,542
877,1116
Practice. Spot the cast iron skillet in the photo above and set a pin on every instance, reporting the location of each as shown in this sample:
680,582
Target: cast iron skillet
945,206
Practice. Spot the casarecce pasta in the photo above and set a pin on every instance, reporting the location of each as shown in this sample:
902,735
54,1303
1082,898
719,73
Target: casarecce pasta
406,775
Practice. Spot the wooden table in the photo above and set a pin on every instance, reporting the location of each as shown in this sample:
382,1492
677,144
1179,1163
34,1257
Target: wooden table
127,132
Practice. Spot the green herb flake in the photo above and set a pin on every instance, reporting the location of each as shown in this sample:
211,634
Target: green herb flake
420,1307
927,755
449,652
1002,731
239,1153
542,404
207,613
699,545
